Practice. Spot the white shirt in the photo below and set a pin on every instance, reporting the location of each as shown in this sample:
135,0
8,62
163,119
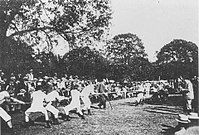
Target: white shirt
118,90
75,94
190,94
30,76
62,85
88,90
3,94
38,98
147,86
52,96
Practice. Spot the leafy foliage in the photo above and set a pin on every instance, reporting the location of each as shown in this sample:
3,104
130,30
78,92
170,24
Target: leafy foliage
85,62
141,69
42,23
19,57
127,55
123,47
179,57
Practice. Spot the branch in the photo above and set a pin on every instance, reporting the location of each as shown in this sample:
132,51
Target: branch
49,39
44,9
30,30
15,26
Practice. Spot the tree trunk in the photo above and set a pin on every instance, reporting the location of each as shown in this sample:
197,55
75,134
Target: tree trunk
2,47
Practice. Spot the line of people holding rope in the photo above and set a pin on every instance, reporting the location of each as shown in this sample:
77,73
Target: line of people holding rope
49,94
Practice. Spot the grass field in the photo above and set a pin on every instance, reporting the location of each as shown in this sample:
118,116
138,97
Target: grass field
123,119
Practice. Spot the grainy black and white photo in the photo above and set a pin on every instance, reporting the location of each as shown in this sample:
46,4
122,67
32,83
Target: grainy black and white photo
99,67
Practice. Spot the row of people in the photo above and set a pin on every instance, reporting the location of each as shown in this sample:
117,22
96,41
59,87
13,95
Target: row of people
43,100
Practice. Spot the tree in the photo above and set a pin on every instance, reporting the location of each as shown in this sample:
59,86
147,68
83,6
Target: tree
39,23
140,69
122,51
20,57
123,47
46,63
179,57
85,62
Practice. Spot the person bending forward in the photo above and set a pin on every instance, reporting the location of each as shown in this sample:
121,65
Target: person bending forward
74,104
37,105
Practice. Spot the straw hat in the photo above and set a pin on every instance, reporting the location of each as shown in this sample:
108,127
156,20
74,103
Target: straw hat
25,78
183,119
22,91
193,116
35,79
40,80
46,77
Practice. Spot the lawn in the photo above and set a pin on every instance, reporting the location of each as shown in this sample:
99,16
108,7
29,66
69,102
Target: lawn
124,119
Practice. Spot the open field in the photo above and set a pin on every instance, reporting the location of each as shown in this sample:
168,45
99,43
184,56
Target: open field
123,119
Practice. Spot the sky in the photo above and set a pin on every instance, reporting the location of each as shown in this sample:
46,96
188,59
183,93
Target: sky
156,22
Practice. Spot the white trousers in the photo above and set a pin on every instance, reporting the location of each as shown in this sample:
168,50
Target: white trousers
188,104
53,110
4,115
139,97
72,106
87,102
36,109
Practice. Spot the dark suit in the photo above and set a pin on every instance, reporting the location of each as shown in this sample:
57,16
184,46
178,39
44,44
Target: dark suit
102,97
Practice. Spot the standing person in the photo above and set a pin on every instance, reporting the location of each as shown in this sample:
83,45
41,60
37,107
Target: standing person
188,94
140,94
1,75
37,105
85,93
102,96
30,75
11,89
147,88
75,102
5,97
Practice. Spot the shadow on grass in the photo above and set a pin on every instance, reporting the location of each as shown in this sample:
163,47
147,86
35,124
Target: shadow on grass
128,103
168,130
95,107
162,110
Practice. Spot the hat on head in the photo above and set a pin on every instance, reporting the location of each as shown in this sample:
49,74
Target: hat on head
46,77
12,78
22,90
183,119
193,116
40,80
25,78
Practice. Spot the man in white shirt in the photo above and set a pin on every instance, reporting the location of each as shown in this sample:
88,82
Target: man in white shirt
51,97
75,102
89,89
147,88
188,94
5,97
37,105
140,96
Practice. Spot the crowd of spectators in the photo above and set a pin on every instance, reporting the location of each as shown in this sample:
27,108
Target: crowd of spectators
21,86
